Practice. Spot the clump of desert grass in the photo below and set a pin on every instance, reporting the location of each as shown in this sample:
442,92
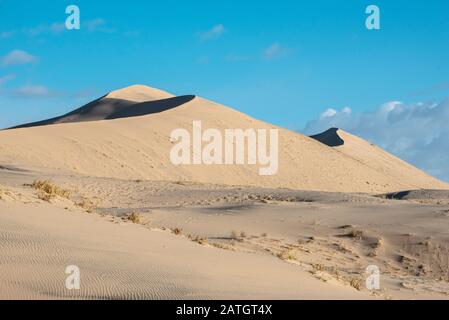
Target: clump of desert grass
286,255
135,217
237,236
356,283
222,246
88,205
356,234
47,190
318,267
177,231
2,193
198,239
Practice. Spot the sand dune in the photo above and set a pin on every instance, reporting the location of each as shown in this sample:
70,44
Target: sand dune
138,148
128,261
373,157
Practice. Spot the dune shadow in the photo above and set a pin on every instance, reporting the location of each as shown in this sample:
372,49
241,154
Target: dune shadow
329,137
150,107
111,108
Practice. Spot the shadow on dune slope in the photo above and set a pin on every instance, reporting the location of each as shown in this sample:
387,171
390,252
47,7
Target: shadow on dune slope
329,137
111,108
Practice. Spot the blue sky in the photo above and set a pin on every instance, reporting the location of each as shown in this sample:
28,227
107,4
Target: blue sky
284,62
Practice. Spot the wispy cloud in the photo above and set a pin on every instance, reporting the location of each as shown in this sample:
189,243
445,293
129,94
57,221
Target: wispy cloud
235,58
33,91
214,33
96,25
8,77
417,133
43,29
6,34
274,50
17,57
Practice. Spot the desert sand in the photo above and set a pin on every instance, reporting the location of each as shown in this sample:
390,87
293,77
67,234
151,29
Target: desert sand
139,227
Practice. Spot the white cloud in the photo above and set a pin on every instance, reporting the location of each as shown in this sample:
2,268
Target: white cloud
214,33
34,91
6,34
54,28
18,57
94,25
7,78
274,50
417,133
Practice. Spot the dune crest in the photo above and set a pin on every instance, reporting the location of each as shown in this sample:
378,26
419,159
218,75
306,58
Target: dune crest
139,93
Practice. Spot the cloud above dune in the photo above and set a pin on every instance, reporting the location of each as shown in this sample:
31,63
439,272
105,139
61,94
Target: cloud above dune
8,77
214,33
274,50
17,57
417,133
33,91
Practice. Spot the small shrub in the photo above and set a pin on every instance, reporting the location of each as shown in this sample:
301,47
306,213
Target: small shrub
177,231
318,267
135,217
47,190
286,255
356,234
87,205
356,283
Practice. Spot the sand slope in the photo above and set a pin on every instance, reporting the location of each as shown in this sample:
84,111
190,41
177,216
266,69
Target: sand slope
127,261
138,148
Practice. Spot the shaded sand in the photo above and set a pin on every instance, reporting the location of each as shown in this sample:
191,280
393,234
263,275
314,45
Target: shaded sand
139,147
129,261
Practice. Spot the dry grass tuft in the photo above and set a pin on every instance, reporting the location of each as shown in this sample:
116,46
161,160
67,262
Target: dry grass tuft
135,217
88,205
356,283
318,267
198,239
177,231
286,255
47,190
356,234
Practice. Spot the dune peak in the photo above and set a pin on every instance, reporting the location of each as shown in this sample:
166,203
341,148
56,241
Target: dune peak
139,93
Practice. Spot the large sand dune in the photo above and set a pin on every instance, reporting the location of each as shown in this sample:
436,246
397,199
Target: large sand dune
131,140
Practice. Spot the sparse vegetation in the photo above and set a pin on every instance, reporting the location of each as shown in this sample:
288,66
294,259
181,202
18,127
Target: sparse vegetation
2,193
135,217
318,267
47,190
222,246
356,234
198,239
177,231
88,205
286,255
356,283
237,236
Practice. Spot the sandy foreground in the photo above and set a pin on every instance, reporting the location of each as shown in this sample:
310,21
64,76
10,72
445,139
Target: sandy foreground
209,241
